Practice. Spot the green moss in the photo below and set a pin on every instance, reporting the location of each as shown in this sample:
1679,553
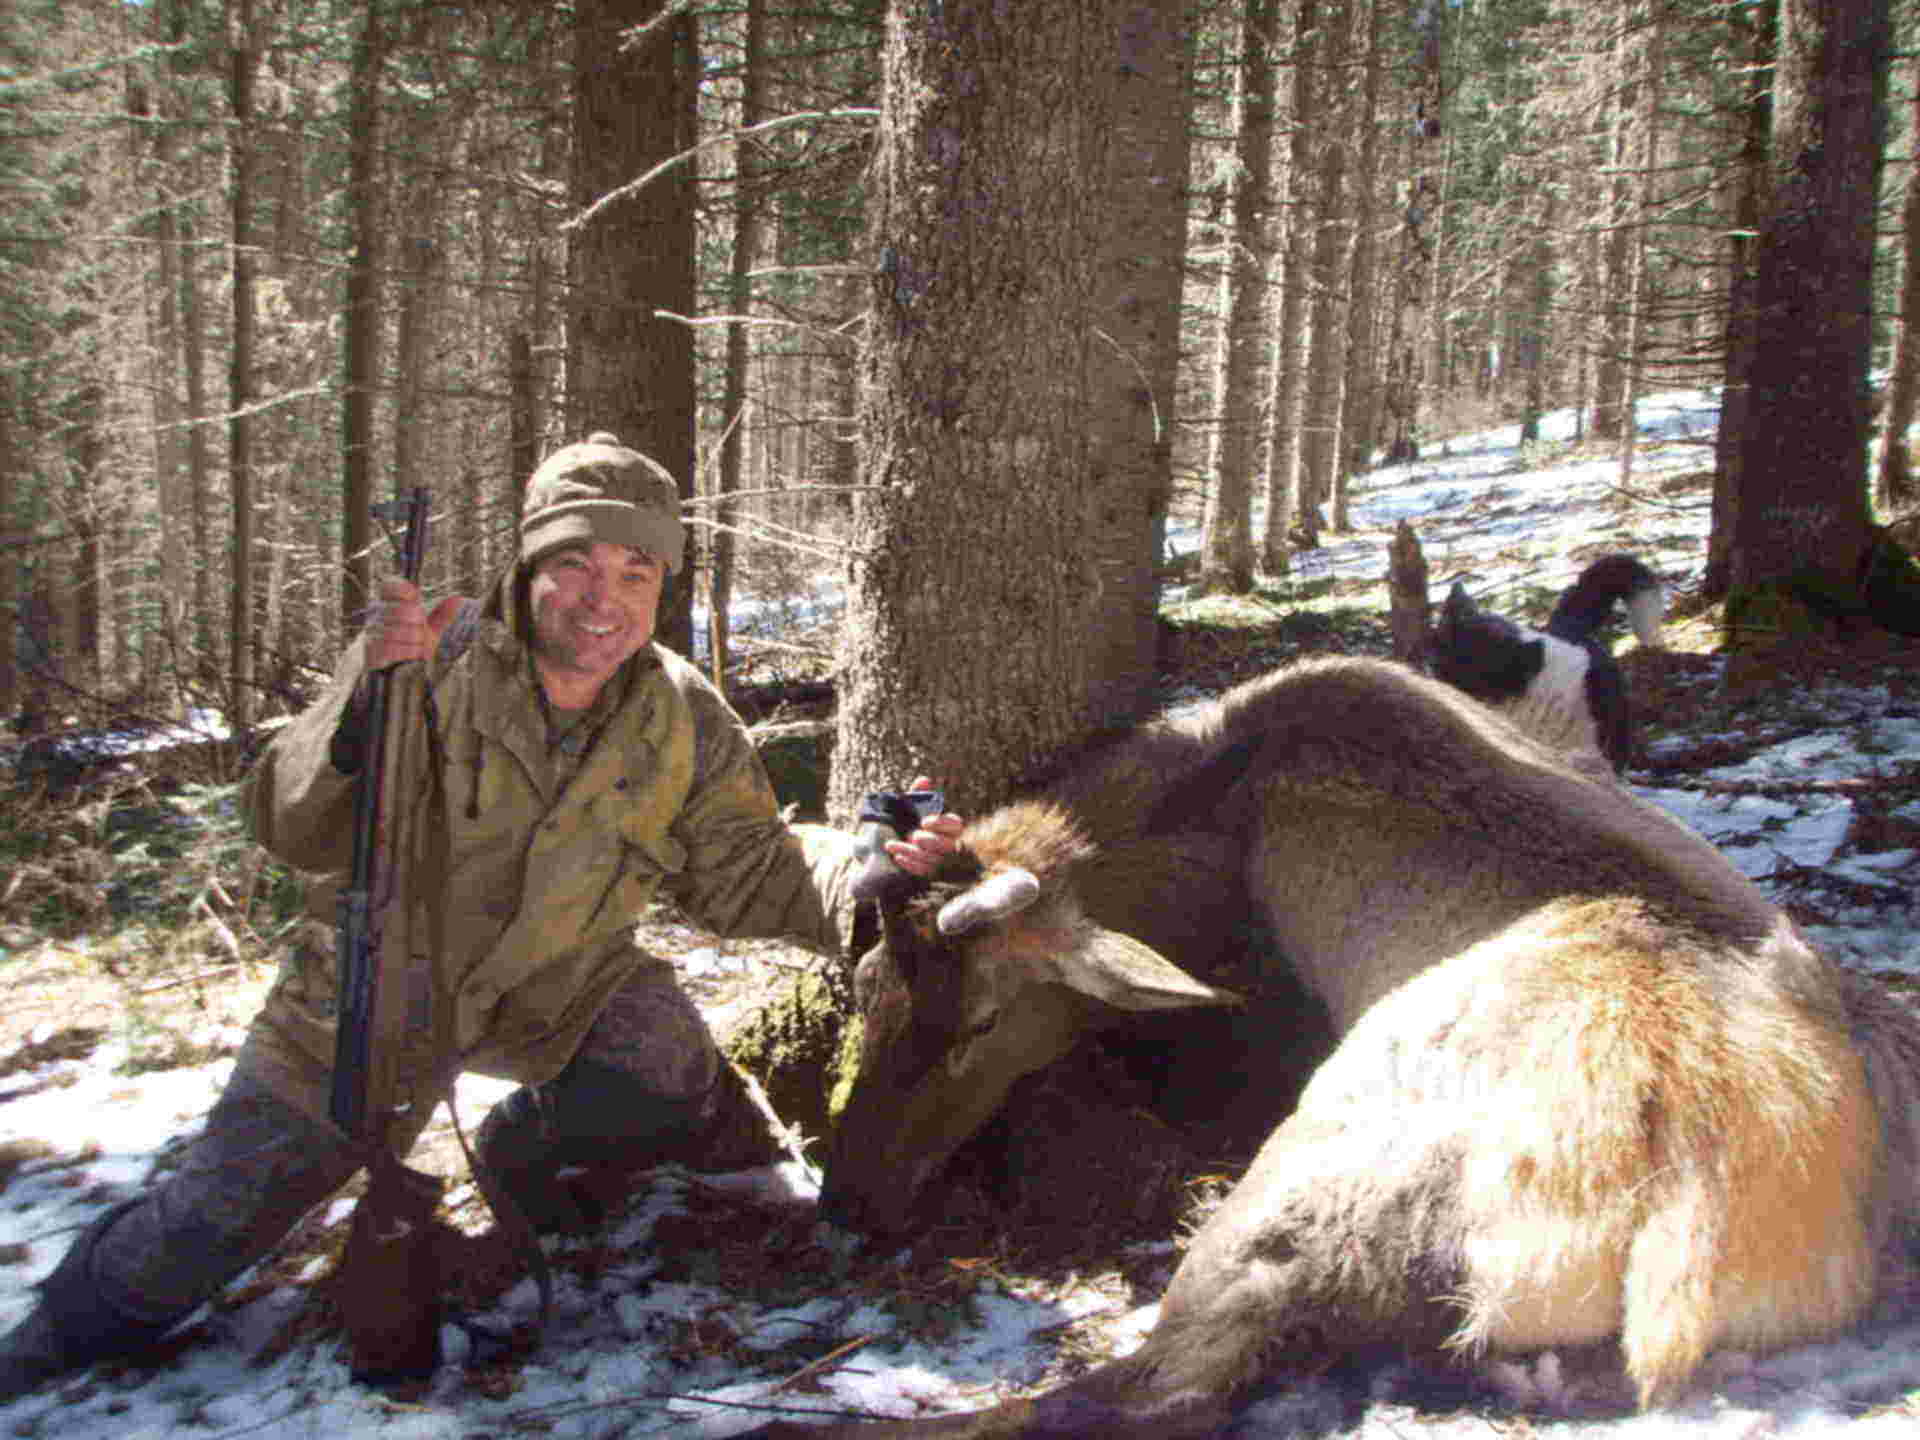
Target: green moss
802,1048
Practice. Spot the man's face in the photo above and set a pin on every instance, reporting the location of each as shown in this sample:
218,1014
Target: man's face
593,609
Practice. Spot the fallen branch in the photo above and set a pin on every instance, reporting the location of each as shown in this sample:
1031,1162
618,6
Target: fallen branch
832,1357
790,1141
157,986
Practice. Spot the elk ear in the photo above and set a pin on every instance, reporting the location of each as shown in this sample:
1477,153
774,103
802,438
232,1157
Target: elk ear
1119,971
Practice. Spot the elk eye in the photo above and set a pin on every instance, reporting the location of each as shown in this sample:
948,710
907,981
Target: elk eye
981,1026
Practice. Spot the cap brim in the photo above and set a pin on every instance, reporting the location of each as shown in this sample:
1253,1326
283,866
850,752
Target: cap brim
614,521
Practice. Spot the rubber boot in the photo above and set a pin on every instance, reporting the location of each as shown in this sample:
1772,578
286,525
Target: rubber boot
74,1325
517,1147
595,1118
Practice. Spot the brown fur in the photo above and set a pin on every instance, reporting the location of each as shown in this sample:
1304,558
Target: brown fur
1592,1085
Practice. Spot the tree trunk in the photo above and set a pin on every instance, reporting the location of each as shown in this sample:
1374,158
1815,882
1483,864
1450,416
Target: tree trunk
11,595
1283,448
240,377
413,349
1616,248
1530,357
1408,611
630,371
1246,281
1801,528
362,320
975,576
170,499
747,234
1639,290
200,528
1357,388
1133,364
1320,398
1896,491
1760,32
1419,235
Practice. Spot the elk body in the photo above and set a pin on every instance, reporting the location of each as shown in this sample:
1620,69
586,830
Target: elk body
1590,1087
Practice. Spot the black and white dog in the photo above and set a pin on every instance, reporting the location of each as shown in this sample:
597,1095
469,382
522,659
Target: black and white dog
1562,686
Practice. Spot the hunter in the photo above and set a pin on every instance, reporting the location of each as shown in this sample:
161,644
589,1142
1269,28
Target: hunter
576,769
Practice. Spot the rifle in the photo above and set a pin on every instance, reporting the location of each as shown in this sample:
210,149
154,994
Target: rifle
358,933
388,1284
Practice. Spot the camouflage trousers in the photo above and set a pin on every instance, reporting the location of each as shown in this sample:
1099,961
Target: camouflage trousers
262,1163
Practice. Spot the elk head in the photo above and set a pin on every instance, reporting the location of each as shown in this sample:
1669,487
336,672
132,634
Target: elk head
992,972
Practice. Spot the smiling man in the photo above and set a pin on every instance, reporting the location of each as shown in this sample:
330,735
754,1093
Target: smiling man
567,771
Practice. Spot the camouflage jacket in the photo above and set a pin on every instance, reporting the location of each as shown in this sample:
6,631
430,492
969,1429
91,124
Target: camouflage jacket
531,866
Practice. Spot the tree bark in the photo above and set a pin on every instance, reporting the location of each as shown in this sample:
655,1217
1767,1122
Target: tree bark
169,499
1895,489
631,371
1616,249
11,596
1283,447
1246,284
240,367
1530,353
1357,423
1419,235
1133,365
1802,525
1639,287
362,321
747,239
1407,606
1760,32
975,576
1320,397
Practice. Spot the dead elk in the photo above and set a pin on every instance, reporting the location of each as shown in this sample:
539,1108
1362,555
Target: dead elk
1591,1086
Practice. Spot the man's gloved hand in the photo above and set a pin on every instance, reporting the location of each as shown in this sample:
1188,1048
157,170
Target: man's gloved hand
902,836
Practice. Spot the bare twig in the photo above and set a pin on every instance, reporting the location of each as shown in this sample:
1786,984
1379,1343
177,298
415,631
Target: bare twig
832,1357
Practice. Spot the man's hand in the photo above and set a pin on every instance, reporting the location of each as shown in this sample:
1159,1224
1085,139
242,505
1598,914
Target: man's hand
921,852
400,629
397,629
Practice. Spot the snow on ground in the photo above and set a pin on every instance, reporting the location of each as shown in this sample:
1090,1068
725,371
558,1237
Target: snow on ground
622,1359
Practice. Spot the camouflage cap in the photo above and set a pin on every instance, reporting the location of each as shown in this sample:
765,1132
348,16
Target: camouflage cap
598,489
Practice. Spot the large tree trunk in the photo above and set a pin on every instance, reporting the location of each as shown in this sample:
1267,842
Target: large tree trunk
975,573
1226,554
1801,527
1750,190
629,370
1137,284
